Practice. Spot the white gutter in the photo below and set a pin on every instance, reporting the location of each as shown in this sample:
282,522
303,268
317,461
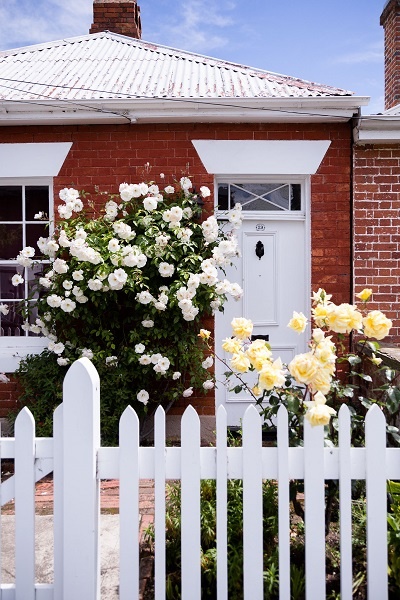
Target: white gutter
377,129
153,110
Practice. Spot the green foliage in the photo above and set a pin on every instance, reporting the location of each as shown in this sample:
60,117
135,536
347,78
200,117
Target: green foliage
208,539
41,380
394,533
129,288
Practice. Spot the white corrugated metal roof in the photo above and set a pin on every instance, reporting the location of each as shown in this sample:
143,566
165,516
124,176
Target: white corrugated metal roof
111,66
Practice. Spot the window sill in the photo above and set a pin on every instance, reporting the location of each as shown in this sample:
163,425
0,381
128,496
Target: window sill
12,350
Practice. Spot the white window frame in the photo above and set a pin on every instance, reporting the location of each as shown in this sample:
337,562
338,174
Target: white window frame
13,348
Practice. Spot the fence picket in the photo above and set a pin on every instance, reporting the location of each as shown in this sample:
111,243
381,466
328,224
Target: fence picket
377,554
190,505
252,506
222,505
25,506
159,503
129,504
81,511
314,504
283,504
58,491
346,573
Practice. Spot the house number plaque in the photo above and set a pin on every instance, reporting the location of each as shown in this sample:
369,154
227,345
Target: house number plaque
260,227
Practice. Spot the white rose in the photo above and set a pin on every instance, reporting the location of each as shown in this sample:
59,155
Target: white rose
140,348
143,396
17,279
205,191
67,305
53,300
208,385
150,203
188,392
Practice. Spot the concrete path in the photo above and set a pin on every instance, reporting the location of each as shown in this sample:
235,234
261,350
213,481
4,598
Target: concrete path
109,535
109,545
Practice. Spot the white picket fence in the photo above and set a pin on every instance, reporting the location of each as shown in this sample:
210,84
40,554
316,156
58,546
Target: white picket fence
78,461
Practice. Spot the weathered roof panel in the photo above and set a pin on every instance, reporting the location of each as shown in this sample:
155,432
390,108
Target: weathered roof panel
110,66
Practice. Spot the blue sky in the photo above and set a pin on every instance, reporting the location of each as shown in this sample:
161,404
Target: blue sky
337,43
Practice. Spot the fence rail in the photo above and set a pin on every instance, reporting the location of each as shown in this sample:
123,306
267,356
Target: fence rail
77,459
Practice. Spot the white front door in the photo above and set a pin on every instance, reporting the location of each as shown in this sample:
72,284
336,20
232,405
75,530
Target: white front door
274,274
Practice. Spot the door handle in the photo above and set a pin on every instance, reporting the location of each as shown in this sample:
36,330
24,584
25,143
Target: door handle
259,249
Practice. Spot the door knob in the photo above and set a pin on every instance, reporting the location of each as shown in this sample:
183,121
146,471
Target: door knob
259,249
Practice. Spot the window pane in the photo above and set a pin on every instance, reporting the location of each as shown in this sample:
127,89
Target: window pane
11,324
10,241
36,200
32,277
10,203
7,289
295,203
223,200
33,233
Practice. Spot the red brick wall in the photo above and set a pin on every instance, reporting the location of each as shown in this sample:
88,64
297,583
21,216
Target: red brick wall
376,228
107,155
390,20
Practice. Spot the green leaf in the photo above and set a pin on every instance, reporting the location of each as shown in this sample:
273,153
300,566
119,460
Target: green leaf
393,400
390,374
354,360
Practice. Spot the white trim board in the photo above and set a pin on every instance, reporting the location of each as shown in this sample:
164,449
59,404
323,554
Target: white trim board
266,157
33,160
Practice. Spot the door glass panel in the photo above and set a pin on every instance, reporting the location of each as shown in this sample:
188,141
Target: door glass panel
266,197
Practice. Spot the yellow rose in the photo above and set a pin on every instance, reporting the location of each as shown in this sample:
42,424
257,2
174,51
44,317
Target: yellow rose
318,412
320,314
256,390
298,322
376,325
325,351
231,345
240,362
320,297
242,328
303,367
344,318
204,334
271,375
322,381
365,294
258,352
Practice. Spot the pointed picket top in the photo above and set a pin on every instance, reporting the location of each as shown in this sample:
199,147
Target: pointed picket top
25,420
374,415
251,416
159,414
282,417
129,418
344,412
81,368
190,416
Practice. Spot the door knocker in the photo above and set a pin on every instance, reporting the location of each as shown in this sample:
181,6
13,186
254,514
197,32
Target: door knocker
259,249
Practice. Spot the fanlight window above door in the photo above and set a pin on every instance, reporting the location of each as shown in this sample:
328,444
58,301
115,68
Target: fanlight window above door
260,196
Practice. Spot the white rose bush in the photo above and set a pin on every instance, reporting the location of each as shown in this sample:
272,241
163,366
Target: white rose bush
128,287
315,383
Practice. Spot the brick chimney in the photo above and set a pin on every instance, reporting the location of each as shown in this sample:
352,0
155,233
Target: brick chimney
117,16
390,20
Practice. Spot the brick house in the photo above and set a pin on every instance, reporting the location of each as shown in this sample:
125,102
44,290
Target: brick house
92,110
376,189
